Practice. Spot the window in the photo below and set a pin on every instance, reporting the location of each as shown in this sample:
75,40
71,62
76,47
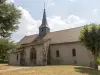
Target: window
57,53
17,57
33,54
74,52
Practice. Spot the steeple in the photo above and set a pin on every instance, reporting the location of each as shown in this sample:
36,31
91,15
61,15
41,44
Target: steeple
44,29
44,20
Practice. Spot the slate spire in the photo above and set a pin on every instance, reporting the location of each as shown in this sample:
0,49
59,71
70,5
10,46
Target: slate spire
44,20
44,29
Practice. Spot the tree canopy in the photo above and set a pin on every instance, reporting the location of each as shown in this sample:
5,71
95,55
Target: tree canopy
9,18
5,46
90,38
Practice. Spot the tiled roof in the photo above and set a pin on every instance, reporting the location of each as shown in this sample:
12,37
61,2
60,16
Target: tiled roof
68,35
28,39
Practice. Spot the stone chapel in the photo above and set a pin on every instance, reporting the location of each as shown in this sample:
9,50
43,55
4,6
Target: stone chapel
51,48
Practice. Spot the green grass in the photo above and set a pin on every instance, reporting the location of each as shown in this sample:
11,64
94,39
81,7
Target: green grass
54,70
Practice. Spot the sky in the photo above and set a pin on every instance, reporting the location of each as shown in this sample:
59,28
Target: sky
61,14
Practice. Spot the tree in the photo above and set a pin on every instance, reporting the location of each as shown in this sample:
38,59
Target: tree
6,45
9,18
90,38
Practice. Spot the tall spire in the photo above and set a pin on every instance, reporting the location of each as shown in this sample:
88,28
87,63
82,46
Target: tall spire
44,29
44,20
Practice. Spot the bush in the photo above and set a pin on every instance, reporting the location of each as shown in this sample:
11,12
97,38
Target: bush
3,62
98,60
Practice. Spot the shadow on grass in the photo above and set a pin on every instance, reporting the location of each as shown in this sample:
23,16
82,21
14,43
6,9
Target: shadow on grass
89,71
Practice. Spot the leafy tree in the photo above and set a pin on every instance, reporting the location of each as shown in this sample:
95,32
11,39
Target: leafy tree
90,38
6,45
9,18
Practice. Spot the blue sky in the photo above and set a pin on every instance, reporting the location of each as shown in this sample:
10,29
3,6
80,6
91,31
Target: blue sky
61,14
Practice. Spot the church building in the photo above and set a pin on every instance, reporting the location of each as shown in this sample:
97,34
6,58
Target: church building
51,48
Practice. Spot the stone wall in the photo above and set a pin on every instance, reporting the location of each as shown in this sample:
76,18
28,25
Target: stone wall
83,56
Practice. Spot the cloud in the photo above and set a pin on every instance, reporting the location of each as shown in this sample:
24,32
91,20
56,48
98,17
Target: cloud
66,23
75,20
30,26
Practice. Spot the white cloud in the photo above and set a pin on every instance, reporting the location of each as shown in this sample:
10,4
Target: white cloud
10,1
30,26
75,20
58,23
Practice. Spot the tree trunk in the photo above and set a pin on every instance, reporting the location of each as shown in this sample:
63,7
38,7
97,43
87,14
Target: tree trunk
95,62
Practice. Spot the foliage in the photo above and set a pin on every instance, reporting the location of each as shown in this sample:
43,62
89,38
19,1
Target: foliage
98,60
9,18
90,38
5,46
3,61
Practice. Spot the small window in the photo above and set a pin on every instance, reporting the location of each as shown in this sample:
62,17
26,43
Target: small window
57,53
33,54
74,52
17,57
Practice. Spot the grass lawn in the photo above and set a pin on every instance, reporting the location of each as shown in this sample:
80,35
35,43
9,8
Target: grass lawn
53,70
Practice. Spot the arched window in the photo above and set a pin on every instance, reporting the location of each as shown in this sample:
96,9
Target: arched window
57,53
74,52
33,54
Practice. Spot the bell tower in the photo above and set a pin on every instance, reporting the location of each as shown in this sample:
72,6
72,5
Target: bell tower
44,29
